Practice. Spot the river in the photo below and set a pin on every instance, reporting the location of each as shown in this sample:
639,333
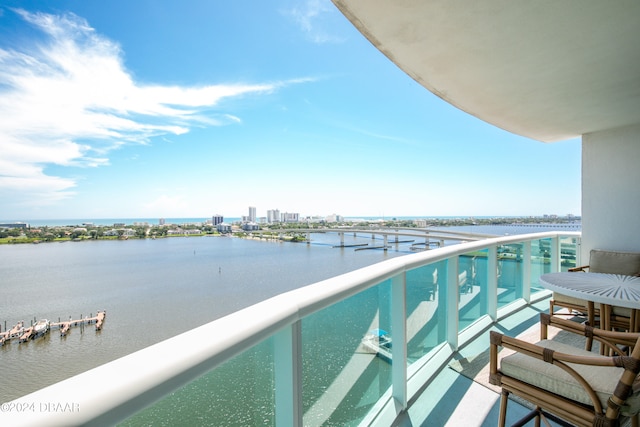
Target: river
151,290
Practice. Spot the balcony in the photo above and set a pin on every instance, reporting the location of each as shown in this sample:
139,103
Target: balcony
370,347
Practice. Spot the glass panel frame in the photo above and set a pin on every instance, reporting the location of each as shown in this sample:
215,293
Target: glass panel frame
472,287
510,274
540,261
426,309
346,363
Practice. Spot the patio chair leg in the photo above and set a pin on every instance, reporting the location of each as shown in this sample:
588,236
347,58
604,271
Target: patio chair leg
504,399
535,414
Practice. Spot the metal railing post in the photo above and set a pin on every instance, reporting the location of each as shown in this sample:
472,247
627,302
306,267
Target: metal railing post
399,333
453,296
492,282
526,270
288,375
555,254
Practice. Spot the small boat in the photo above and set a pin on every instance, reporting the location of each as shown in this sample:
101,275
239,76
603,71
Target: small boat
41,327
379,337
377,342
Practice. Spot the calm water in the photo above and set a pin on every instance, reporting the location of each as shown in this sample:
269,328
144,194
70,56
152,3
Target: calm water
151,289
155,289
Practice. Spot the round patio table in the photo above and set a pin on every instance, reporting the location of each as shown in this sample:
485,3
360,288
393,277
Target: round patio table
606,289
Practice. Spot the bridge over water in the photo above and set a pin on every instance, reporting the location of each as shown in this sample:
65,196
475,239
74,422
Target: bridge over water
427,236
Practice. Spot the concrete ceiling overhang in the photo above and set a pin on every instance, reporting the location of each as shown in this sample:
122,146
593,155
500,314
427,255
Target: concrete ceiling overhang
545,69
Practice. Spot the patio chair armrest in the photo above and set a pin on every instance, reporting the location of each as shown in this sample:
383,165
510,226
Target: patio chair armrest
613,340
582,268
539,352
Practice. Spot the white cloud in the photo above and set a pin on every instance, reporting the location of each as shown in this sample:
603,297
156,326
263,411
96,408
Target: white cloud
68,100
34,189
311,16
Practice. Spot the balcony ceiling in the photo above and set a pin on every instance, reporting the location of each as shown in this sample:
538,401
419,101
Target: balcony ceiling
545,69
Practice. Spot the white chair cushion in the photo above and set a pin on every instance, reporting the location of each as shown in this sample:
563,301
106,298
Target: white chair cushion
603,379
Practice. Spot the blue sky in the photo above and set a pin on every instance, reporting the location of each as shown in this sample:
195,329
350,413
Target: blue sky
143,109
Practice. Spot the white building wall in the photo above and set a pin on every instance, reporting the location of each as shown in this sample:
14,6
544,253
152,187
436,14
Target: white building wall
290,217
610,190
273,215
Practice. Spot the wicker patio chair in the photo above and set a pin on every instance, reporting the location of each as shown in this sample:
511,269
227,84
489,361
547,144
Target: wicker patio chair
601,261
575,385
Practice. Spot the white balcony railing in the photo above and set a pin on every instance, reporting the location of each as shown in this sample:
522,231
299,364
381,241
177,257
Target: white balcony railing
309,351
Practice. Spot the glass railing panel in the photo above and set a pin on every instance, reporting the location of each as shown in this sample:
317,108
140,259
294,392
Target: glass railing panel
346,364
239,392
426,317
472,287
568,252
510,274
540,262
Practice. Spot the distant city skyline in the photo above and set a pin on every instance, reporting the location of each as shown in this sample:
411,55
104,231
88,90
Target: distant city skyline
275,215
287,106
216,220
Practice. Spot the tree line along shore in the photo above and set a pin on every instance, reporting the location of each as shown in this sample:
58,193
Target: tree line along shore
17,235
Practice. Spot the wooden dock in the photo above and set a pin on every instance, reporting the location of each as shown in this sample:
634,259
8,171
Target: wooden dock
23,334
15,332
65,327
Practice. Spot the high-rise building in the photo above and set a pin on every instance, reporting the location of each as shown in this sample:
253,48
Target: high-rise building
217,219
334,218
252,214
273,215
290,217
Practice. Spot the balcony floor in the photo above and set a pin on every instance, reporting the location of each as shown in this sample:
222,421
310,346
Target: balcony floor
465,402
